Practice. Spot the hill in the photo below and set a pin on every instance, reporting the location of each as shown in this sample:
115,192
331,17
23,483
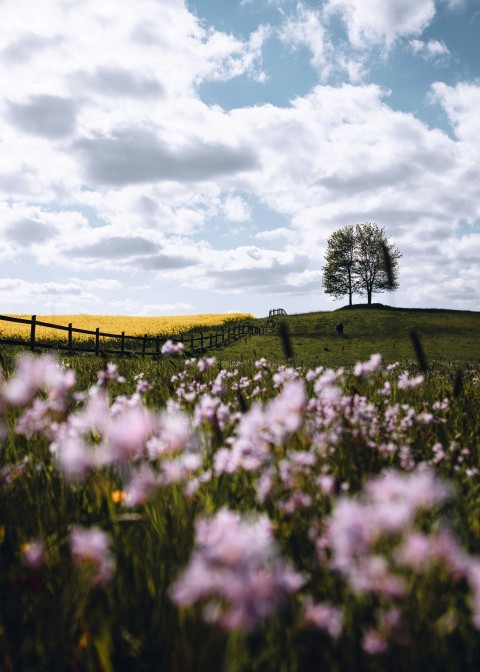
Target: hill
448,337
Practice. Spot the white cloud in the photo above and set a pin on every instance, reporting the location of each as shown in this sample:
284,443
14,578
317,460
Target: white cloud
461,103
305,28
50,297
113,165
236,209
372,22
430,50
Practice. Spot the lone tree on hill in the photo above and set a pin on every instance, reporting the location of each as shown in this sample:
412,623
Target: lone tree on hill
338,274
360,260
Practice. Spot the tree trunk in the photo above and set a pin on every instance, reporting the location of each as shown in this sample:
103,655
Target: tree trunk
369,295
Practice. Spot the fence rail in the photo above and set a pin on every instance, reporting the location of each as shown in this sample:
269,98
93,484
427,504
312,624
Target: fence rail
192,343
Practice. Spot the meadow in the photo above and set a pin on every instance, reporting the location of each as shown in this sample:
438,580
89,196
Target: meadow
293,502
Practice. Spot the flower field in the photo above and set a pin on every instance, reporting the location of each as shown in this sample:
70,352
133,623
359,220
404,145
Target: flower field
199,515
115,324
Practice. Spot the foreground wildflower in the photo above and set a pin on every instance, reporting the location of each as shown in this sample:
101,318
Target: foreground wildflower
236,571
90,548
169,348
388,506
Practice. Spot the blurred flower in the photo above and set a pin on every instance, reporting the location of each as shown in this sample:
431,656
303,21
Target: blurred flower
323,616
33,554
90,547
109,374
364,369
236,570
117,496
169,348
405,382
142,485
206,363
38,373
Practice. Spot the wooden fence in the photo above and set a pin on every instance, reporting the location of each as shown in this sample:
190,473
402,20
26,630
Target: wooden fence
146,346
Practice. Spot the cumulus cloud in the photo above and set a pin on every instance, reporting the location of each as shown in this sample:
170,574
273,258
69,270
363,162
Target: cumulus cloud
236,209
305,28
434,50
372,22
58,297
461,103
161,262
50,117
27,232
114,247
134,155
119,82
27,46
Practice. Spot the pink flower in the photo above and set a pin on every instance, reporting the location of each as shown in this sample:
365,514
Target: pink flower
90,547
38,373
324,616
33,554
374,643
206,363
172,434
169,348
364,369
141,486
109,374
405,382
387,506
236,569
284,414
75,458
128,434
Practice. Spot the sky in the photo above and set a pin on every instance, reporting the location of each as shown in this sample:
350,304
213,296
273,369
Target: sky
169,157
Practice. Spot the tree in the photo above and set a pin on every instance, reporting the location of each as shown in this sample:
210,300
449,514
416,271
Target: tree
338,274
360,260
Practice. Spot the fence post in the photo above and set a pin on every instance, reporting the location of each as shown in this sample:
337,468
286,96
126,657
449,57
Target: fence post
70,336
211,340
201,340
32,332
97,341
144,345
122,347
191,342
157,345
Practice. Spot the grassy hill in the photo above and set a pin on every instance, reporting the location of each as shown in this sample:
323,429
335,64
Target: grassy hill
448,337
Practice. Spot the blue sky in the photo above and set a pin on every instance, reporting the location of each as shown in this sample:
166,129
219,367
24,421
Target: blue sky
165,157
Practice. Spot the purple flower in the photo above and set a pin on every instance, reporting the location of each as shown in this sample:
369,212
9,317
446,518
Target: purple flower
141,486
236,571
38,373
33,554
90,548
323,616
109,374
365,369
406,382
169,348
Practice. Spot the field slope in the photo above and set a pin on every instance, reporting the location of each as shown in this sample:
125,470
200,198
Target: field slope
447,336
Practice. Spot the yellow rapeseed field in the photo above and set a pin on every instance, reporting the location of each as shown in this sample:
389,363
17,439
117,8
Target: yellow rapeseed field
115,324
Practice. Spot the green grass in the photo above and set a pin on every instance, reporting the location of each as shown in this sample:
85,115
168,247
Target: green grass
447,336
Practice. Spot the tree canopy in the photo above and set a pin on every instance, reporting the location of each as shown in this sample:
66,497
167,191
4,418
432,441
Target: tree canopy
360,260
